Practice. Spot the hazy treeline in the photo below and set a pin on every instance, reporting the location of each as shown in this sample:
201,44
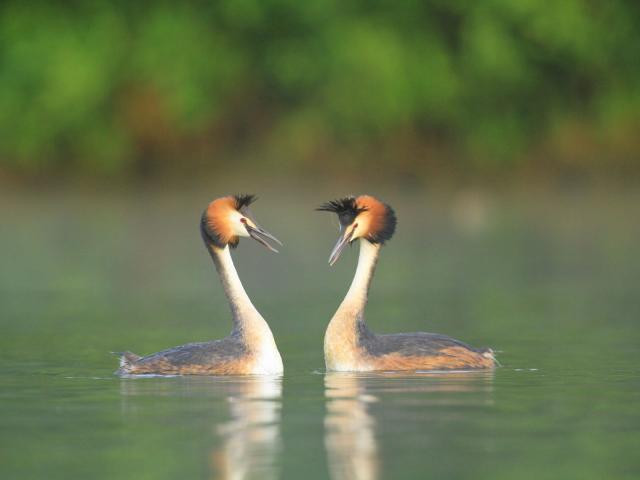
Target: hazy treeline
109,87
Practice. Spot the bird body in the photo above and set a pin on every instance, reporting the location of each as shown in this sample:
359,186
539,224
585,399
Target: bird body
228,356
250,348
349,345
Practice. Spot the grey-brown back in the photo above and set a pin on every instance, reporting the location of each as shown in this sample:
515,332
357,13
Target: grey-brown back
407,344
202,353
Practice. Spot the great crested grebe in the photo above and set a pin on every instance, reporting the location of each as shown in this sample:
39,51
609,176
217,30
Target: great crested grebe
250,348
348,344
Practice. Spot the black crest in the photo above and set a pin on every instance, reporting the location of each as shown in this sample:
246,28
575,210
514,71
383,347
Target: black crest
243,200
345,208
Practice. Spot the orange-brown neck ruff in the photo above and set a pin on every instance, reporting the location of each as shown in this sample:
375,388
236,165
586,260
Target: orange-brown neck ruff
341,338
377,219
217,221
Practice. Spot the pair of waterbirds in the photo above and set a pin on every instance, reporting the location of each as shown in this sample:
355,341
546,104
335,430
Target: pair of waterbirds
349,345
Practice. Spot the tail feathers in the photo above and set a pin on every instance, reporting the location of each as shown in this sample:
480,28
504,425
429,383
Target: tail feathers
127,359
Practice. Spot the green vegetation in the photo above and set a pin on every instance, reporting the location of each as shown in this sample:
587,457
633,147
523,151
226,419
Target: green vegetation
118,87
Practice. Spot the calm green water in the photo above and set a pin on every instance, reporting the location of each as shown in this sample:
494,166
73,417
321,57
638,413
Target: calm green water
549,281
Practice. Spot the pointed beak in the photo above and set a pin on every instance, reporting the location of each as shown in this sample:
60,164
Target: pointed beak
261,236
343,241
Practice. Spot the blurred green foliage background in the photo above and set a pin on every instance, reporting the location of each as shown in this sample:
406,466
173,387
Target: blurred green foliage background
128,88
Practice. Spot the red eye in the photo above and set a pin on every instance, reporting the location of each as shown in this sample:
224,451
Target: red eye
243,220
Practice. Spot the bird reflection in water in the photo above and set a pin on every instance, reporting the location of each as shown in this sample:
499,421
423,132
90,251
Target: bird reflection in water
357,402
249,441
349,428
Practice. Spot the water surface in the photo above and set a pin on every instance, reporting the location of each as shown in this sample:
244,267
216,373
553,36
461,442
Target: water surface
550,282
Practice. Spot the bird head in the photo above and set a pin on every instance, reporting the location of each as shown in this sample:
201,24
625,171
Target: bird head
226,219
360,217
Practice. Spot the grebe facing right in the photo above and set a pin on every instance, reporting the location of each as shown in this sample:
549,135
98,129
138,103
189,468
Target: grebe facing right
250,348
348,344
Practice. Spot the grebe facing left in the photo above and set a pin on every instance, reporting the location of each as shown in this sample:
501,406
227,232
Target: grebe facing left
250,348
348,344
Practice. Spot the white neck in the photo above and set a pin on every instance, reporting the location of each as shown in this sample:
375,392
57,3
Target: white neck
242,309
247,321
341,337
357,295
